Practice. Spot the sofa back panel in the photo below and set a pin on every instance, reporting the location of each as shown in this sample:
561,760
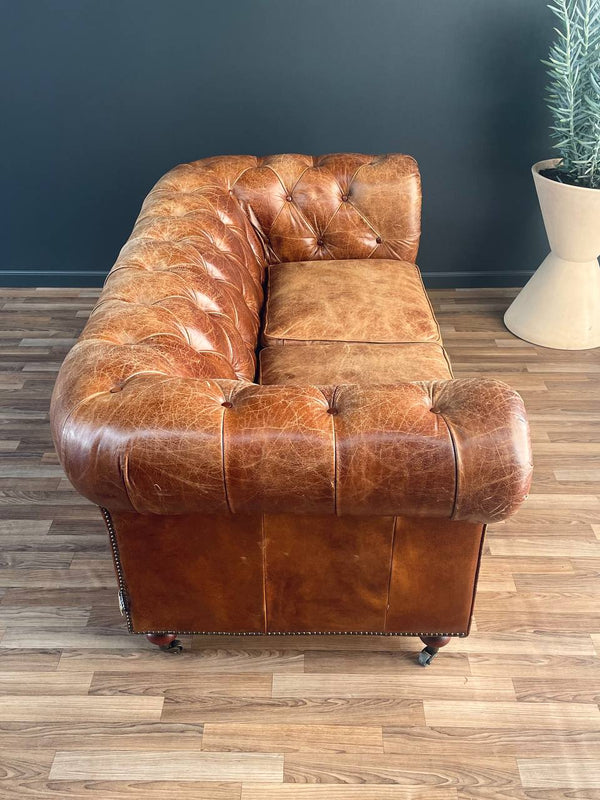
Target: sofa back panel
192,269
337,206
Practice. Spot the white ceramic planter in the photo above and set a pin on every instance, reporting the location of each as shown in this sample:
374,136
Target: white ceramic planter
560,305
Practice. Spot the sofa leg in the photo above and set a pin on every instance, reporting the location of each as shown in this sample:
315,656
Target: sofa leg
430,651
166,641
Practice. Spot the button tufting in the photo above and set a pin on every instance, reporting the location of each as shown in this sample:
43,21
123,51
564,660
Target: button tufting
289,198
116,388
320,242
435,411
227,404
378,240
332,411
345,198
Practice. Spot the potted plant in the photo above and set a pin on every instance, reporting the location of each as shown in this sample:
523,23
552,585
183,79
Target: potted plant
560,305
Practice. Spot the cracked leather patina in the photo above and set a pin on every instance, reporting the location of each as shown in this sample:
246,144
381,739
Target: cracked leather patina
167,409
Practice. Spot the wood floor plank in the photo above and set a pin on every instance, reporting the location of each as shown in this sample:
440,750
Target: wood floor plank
84,735
346,792
424,685
88,543
534,603
267,738
46,708
515,793
534,665
236,661
424,770
41,616
534,623
28,660
44,683
517,741
531,643
181,684
97,576
377,663
66,637
564,689
508,715
23,529
19,766
141,765
171,789
304,711
560,773
542,546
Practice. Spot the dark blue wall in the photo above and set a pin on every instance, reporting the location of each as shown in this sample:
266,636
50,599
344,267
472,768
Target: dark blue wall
101,97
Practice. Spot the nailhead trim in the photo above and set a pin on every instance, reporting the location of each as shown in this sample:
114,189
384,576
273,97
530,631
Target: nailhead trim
297,633
115,551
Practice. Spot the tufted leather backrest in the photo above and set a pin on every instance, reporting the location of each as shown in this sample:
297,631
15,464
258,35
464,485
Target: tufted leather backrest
338,206
188,283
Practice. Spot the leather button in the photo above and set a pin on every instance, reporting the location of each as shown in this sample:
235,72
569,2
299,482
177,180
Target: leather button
227,404
435,410
345,198
289,198
378,240
114,389
332,411
320,242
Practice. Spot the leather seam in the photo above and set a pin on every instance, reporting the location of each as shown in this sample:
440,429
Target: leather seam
303,217
299,178
455,453
434,318
331,218
264,581
267,304
274,171
123,466
243,172
335,456
347,341
389,586
476,578
365,220
446,358
327,342
226,493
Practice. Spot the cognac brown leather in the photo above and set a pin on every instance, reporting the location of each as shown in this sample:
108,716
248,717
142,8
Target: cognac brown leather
342,362
354,418
347,301
292,573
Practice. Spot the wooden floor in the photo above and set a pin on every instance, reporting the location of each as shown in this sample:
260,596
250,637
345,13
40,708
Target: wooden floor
87,710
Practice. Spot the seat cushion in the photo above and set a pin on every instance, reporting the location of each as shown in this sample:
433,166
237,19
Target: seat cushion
343,362
363,300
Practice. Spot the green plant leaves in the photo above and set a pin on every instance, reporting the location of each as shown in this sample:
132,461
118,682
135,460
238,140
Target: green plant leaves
573,91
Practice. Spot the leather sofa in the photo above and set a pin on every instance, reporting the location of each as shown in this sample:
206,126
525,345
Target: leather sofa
262,407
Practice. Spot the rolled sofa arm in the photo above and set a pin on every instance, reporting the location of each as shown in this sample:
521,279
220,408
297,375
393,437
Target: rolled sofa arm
160,443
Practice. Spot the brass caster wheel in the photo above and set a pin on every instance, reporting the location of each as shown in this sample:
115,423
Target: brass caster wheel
175,647
427,655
